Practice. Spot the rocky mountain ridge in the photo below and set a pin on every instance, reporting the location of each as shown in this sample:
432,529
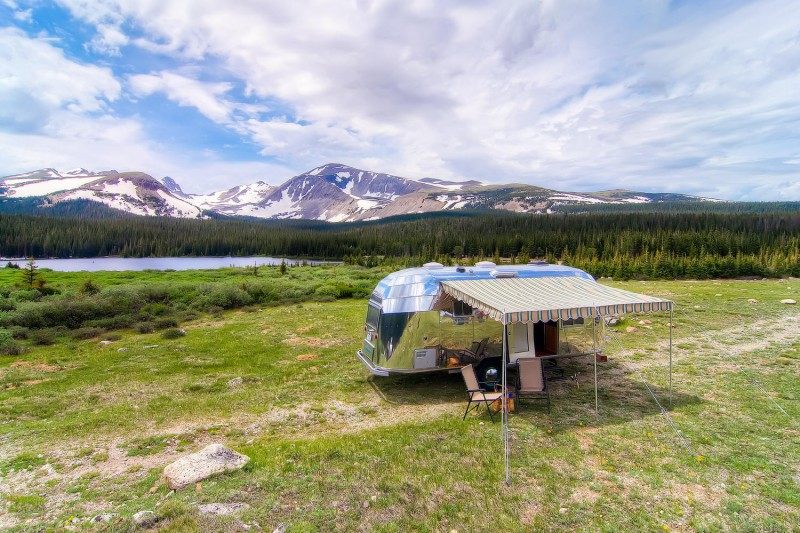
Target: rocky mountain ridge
331,192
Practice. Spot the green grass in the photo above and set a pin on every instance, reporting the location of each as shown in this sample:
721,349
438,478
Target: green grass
333,449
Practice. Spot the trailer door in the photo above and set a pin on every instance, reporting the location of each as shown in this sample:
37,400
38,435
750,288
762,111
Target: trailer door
520,341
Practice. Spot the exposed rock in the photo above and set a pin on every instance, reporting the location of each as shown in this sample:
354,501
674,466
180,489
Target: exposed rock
752,301
106,342
213,459
280,529
645,322
235,382
789,301
630,329
612,320
105,517
145,519
221,509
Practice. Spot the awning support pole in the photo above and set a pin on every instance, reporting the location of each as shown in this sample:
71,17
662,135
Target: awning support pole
670,355
594,342
504,417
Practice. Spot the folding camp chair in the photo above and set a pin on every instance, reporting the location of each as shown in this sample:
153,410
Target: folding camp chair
475,394
531,381
472,355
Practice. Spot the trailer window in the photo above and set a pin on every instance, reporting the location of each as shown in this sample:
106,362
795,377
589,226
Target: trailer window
373,314
392,327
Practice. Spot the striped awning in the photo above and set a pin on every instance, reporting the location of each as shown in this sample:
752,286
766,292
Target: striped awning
542,299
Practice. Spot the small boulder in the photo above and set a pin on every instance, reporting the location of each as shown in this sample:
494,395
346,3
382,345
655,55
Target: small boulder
752,301
630,329
211,460
101,518
789,301
145,519
280,529
235,382
106,342
221,509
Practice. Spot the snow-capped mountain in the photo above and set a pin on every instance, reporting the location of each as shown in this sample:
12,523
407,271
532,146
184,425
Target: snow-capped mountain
237,200
133,192
331,192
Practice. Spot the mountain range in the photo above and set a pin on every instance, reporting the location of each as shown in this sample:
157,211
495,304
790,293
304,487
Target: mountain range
332,192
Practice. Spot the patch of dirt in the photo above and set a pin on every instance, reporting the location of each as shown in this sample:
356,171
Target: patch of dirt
585,438
314,342
41,367
584,495
530,510
708,497
306,357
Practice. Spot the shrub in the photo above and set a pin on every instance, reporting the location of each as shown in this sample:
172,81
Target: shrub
225,296
326,292
155,309
42,337
26,295
145,327
8,346
114,322
186,316
7,304
19,333
173,333
163,323
89,287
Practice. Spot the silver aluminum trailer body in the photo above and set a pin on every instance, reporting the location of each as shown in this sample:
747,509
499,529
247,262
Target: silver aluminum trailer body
410,328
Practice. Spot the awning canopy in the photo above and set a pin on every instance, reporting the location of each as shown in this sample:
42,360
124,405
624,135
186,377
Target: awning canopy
543,299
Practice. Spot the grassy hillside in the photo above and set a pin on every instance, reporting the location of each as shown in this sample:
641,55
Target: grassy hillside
87,427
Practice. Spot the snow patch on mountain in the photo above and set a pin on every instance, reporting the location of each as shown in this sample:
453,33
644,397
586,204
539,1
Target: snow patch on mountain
49,186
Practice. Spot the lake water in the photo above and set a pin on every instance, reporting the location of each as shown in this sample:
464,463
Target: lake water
157,263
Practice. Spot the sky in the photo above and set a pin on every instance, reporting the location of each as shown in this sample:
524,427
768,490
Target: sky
673,96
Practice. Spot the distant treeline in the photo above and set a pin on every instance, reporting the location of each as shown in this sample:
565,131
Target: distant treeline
623,245
684,207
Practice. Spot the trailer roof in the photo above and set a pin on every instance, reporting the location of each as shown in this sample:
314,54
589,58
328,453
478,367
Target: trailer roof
417,289
549,298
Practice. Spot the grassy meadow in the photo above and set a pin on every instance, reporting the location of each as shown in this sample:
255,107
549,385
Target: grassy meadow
87,424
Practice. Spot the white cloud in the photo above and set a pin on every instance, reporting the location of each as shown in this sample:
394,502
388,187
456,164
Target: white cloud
55,112
20,14
109,40
695,98
38,81
208,98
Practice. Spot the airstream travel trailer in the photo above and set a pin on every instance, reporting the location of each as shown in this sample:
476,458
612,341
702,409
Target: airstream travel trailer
435,318
414,326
